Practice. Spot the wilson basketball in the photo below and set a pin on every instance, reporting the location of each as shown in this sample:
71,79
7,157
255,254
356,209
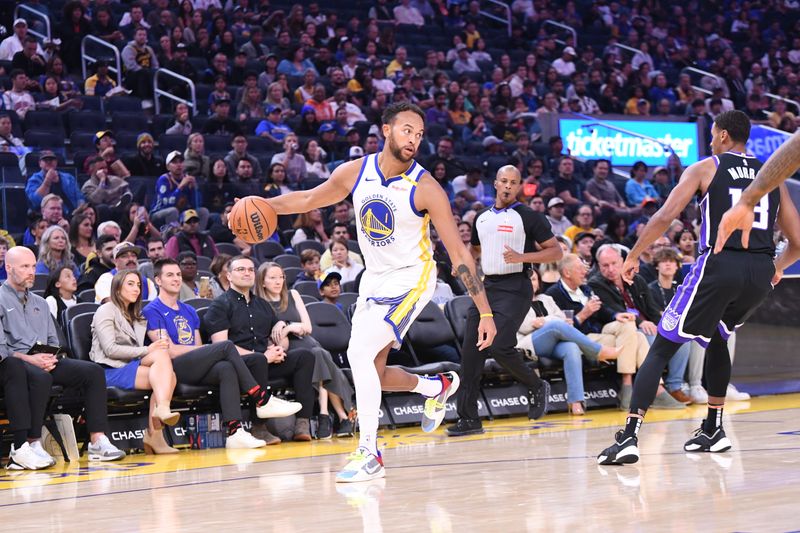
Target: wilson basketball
253,220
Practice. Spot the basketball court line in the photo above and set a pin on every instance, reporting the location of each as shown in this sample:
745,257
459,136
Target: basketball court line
405,438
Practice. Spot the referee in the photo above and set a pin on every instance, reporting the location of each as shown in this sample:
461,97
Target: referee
497,235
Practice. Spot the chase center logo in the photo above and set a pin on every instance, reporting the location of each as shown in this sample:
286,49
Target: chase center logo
377,221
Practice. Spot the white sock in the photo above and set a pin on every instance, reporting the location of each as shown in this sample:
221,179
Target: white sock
429,387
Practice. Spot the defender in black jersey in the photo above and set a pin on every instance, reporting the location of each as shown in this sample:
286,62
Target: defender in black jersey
720,292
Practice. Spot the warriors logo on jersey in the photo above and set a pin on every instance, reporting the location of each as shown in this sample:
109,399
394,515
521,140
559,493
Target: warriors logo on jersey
377,220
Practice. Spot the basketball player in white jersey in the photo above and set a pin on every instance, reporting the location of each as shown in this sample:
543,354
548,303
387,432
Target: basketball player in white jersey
395,200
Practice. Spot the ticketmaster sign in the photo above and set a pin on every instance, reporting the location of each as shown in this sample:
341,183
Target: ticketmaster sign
624,149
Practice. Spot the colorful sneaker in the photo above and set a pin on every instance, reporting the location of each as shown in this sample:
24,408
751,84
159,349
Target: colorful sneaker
434,411
703,442
624,451
362,465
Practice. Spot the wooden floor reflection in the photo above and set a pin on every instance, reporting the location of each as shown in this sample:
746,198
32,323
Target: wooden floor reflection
519,476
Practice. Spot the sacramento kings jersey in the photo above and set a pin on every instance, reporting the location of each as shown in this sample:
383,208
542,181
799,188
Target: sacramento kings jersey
735,171
392,234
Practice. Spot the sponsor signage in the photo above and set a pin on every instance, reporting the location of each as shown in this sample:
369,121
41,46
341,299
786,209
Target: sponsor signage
624,149
512,400
408,408
765,140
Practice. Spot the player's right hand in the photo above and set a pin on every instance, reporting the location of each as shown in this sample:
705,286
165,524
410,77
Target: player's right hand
740,216
486,333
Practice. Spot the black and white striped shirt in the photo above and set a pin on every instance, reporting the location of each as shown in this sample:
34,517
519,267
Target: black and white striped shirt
517,226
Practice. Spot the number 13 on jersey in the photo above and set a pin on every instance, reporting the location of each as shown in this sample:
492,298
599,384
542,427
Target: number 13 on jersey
761,211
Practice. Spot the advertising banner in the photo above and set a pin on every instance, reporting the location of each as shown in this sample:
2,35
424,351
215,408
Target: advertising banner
765,140
602,139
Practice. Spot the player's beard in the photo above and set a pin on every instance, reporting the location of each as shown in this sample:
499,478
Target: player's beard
397,152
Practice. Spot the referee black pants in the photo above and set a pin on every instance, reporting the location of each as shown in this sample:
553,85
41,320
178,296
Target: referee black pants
510,298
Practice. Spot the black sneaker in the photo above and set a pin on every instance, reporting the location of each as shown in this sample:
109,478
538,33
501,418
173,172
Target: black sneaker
345,428
539,402
464,426
324,427
703,442
624,451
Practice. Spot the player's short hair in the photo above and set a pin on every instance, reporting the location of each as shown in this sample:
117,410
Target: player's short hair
736,123
400,107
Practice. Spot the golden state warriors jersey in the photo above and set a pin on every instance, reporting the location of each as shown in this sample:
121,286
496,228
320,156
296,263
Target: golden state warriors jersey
392,234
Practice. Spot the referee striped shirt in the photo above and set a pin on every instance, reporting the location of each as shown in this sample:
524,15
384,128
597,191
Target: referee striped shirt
517,226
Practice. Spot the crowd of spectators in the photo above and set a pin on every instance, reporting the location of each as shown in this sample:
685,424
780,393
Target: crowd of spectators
287,92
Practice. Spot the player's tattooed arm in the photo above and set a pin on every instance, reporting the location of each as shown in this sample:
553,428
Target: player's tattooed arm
782,164
470,280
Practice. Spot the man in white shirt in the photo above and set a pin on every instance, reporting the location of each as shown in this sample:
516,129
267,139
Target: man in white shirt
470,186
19,99
15,43
354,113
565,65
555,215
405,13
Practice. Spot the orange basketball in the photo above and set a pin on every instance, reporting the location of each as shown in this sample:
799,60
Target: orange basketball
253,220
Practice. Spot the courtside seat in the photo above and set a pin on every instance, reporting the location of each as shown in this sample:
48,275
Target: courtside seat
430,369
80,339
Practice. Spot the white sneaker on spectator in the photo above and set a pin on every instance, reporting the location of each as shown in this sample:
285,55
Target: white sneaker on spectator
103,450
25,459
735,395
40,452
242,440
277,408
698,394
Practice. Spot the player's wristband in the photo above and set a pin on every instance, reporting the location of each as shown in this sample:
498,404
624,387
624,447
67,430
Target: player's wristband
487,315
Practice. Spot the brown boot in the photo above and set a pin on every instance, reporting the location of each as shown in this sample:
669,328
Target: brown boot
260,431
302,430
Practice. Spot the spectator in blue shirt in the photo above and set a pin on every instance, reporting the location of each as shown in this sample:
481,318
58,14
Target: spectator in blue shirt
296,65
273,128
638,189
49,180
175,192
661,90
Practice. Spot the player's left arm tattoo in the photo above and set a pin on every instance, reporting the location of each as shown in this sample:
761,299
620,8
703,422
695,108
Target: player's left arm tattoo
473,284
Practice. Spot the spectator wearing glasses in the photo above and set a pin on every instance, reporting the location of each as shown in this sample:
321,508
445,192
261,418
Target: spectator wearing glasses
247,320
215,364
191,287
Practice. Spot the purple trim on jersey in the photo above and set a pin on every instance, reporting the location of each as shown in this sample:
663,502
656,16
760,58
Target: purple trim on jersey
677,338
360,173
703,241
670,324
394,303
716,161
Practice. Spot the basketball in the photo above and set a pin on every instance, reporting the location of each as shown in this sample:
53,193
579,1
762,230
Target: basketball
253,220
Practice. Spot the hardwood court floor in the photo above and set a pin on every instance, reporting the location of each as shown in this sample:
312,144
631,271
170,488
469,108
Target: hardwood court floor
519,476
